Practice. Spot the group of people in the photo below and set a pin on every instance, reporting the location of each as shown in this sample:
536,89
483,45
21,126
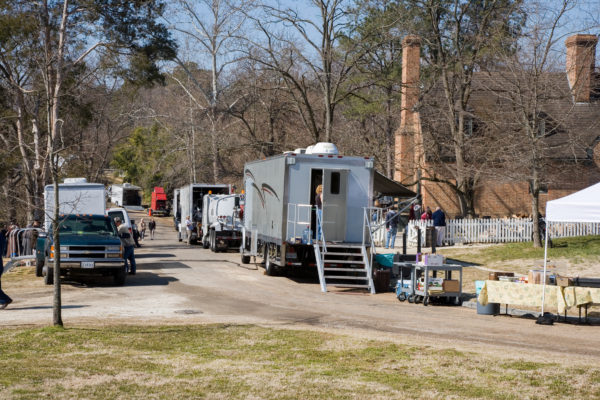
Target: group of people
392,222
151,226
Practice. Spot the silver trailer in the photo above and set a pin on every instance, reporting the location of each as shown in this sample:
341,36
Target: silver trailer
281,221
190,206
221,223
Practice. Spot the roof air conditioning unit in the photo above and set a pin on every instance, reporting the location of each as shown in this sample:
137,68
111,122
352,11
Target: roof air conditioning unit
323,148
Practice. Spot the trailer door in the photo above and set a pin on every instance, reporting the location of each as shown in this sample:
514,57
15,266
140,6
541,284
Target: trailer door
335,191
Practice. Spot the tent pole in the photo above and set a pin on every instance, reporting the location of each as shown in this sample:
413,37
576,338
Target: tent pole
545,266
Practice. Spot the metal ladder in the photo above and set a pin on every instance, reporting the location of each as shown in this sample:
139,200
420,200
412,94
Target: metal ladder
344,265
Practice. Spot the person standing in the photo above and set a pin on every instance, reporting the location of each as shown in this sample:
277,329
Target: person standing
152,228
391,224
319,205
4,299
128,245
189,228
142,229
427,214
439,222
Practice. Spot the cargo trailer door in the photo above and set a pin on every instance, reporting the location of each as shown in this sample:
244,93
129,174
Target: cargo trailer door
335,194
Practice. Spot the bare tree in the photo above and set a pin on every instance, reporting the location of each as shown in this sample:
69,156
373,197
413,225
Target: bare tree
214,28
310,61
458,37
538,110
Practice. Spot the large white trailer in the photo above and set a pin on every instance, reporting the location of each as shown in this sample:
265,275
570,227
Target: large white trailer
221,223
190,206
127,196
281,218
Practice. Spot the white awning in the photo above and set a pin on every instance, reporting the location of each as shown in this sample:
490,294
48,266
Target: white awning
582,206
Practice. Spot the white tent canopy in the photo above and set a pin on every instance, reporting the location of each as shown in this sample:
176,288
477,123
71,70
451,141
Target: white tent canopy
582,206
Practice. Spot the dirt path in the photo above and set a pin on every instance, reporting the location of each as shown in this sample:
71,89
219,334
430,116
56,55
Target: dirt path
178,284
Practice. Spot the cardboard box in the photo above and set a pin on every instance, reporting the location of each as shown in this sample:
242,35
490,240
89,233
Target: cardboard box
451,286
493,276
564,281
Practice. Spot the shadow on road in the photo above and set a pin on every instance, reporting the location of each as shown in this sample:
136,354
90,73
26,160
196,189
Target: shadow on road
140,279
162,265
154,255
43,307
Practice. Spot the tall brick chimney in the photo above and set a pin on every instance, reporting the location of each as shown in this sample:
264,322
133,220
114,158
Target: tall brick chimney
408,134
581,51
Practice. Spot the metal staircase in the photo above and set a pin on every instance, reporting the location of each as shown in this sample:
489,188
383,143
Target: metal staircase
344,265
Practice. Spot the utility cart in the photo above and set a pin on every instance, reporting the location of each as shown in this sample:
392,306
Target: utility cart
451,289
406,272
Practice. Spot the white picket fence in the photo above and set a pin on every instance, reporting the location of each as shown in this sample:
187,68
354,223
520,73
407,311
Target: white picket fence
498,230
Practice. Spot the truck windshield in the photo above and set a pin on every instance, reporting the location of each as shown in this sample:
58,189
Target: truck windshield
88,225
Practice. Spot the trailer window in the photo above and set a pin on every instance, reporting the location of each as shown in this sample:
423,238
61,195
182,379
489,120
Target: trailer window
335,183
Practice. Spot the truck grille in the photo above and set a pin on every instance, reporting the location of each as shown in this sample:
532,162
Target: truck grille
87,251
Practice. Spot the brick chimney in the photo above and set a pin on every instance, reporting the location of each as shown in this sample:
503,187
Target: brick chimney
406,136
581,51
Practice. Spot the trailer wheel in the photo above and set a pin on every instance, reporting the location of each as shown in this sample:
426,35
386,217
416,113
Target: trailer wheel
205,242
245,259
48,276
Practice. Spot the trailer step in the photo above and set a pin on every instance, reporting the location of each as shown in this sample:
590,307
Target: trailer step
343,262
339,258
331,253
349,285
341,277
359,269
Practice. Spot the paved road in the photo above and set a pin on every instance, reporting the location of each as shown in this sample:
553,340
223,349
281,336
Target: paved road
179,284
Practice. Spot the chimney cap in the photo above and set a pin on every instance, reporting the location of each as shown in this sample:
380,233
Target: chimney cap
411,40
581,39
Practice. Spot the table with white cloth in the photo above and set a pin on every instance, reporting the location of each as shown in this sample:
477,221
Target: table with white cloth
522,294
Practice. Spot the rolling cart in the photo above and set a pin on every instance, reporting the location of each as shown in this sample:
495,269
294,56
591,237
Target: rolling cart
406,293
426,294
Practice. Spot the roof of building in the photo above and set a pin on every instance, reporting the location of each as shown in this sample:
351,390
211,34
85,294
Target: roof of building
499,98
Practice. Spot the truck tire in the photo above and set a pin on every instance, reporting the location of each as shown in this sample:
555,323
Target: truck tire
270,268
245,259
213,240
49,276
205,242
119,276
179,236
39,268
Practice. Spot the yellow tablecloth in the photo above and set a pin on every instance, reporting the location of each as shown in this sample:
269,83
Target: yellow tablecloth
577,296
521,294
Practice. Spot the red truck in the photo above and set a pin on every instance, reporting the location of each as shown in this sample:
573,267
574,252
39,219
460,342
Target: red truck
158,207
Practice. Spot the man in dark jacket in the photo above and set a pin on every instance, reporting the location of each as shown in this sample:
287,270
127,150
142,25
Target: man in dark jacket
439,221
4,299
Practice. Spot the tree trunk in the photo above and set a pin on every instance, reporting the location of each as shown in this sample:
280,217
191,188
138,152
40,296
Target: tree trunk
57,303
534,185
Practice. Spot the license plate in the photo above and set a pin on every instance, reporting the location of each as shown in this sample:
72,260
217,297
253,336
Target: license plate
87,264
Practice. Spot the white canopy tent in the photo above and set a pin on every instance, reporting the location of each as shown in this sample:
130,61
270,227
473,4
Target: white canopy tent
582,206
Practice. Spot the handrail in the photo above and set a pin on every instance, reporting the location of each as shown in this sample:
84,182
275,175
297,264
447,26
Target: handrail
320,229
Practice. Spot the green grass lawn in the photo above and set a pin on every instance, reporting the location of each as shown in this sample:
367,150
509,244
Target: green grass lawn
578,249
241,362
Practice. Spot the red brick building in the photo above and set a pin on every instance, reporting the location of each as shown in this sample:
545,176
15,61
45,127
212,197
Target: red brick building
572,111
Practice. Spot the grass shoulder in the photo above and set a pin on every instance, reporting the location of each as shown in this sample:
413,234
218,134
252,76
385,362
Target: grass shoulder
235,362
